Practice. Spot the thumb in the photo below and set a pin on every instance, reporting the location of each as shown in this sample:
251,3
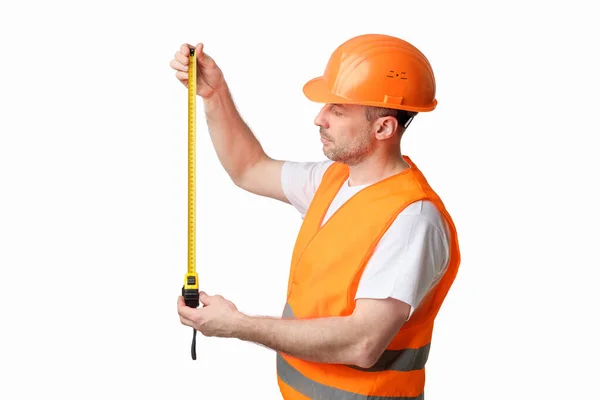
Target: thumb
204,298
202,58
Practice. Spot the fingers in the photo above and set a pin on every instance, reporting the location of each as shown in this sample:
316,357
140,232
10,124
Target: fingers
182,58
189,316
178,66
181,304
186,321
184,311
185,49
182,75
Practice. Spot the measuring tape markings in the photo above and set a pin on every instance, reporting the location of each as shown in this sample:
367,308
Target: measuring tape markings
190,283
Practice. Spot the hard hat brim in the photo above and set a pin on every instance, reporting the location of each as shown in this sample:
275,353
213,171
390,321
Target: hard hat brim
316,90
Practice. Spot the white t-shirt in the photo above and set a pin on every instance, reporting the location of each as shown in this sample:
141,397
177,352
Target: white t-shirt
410,258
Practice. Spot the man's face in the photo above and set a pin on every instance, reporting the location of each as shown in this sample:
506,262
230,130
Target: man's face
345,133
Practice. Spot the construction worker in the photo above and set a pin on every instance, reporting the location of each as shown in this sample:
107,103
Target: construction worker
377,250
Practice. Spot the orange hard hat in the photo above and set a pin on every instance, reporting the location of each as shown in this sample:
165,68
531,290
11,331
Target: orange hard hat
376,70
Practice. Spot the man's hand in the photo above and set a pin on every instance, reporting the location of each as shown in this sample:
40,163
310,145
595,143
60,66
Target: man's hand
209,75
218,317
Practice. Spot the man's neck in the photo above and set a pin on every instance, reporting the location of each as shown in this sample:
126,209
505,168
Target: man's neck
374,169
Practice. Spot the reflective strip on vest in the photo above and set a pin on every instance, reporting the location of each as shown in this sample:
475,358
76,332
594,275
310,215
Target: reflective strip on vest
315,390
287,311
399,360
390,360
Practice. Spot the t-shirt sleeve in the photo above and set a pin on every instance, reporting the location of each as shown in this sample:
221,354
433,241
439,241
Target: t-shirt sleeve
407,262
300,180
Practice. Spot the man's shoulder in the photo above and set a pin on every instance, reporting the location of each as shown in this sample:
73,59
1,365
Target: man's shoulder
421,212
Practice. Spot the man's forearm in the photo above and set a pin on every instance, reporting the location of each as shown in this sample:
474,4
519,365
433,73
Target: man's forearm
236,146
326,340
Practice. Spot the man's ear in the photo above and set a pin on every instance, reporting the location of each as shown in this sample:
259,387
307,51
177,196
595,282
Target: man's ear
385,127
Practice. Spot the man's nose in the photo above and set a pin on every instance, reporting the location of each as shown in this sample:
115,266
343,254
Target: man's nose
320,119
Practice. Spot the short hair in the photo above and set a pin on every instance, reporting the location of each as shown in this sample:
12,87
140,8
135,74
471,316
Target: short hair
403,117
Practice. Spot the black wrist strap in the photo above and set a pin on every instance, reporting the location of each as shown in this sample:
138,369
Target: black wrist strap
194,345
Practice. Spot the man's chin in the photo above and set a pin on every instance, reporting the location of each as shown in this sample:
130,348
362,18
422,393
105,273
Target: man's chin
332,156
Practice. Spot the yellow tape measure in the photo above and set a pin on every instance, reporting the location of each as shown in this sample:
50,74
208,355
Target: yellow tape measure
190,283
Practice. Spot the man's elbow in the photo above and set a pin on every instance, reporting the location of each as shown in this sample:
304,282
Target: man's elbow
367,353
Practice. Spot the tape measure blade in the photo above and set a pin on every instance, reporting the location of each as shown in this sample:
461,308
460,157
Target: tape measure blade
192,163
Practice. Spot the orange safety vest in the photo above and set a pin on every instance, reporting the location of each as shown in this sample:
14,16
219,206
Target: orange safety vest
326,267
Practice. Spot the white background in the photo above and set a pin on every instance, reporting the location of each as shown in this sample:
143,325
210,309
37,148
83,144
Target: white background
93,191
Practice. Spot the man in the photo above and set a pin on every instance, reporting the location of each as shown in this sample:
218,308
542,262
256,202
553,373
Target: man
377,251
